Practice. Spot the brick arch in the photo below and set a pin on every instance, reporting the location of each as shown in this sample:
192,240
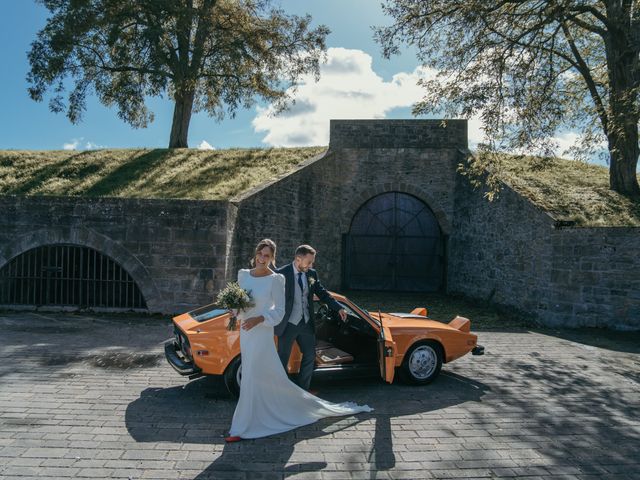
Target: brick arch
374,190
88,238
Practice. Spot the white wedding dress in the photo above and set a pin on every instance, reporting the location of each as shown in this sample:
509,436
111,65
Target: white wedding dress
269,402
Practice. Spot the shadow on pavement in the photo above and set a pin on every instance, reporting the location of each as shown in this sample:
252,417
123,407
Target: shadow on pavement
61,340
580,414
618,341
201,412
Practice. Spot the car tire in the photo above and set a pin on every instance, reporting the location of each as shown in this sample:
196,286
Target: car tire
232,376
422,363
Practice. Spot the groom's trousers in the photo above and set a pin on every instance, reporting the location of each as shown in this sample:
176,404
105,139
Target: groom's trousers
302,333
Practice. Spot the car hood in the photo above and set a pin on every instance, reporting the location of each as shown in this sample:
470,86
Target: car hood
407,320
201,320
185,322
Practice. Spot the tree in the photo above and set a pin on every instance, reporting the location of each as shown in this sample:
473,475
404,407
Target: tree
207,55
530,68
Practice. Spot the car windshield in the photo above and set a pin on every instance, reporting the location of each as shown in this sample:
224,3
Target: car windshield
207,312
351,312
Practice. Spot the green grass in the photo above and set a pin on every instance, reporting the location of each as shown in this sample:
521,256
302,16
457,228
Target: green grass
569,190
158,173
442,307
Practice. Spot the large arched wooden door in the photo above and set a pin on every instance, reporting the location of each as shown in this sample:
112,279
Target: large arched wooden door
394,243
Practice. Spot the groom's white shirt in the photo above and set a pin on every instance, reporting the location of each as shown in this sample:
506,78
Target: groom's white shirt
300,299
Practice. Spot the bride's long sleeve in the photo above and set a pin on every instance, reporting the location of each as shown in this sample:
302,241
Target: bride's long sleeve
275,314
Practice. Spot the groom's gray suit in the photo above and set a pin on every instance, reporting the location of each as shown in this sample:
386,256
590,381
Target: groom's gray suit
302,328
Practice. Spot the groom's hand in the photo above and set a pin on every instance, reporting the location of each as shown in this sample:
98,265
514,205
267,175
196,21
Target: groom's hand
343,314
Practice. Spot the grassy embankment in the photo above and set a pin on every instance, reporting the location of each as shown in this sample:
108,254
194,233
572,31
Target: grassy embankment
570,191
158,173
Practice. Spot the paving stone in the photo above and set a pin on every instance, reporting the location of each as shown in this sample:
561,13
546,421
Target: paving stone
537,405
24,461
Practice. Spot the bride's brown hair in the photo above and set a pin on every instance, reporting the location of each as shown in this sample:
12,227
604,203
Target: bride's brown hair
265,242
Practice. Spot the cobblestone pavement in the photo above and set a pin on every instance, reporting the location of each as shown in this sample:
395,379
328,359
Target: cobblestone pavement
93,397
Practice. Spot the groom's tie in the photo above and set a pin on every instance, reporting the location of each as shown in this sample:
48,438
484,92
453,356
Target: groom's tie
305,315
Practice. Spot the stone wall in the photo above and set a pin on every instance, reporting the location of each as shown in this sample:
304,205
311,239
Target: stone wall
508,252
423,134
595,278
499,251
175,250
511,253
316,203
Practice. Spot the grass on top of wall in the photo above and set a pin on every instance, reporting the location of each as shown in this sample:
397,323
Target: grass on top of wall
569,190
142,173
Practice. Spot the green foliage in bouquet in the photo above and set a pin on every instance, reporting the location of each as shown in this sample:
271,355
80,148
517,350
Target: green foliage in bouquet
235,299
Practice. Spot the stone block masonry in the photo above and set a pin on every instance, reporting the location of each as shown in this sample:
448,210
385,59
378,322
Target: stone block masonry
175,250
511,253
594,278
316,203
375,134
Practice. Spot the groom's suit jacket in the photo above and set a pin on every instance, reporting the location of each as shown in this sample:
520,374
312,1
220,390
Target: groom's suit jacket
315,287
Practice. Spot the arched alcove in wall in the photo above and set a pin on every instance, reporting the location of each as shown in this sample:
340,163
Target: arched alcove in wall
68,275
394,243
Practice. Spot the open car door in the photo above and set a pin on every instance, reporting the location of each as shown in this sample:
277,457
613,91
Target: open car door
386,353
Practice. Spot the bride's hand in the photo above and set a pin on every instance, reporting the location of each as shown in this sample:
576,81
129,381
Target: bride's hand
249,323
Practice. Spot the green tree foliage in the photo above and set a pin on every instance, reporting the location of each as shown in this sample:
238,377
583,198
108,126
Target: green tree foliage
530,68
206,55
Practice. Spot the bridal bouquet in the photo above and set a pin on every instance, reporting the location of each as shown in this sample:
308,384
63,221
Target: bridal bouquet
235,299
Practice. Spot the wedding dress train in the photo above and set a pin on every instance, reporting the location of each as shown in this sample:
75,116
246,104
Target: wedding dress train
269,402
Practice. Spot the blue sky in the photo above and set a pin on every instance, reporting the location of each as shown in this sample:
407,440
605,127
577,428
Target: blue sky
26,124
356,82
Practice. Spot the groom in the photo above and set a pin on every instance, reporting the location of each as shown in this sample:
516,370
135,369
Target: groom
301,283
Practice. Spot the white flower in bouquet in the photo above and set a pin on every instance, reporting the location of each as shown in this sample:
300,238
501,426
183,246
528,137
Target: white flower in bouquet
235,299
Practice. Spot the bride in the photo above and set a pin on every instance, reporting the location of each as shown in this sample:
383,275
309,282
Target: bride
269,402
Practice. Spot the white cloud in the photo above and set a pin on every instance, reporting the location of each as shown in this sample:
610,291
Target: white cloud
565,141
72,145
571,144
565,144
348,89
92,146
474,131
204,145
77,144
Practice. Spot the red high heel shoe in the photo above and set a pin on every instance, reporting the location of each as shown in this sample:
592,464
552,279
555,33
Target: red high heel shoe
232,439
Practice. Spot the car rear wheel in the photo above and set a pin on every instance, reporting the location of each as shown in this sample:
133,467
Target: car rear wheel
232,376
422,363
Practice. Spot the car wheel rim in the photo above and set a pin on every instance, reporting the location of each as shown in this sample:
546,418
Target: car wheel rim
423,362
239,375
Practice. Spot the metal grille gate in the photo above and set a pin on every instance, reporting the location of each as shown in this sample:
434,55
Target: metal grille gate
68,275
394,243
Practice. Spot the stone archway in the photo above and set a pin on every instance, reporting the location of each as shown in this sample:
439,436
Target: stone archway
83,237
394,243
67,275
363,195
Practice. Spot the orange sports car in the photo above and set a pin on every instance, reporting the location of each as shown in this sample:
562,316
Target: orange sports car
410,344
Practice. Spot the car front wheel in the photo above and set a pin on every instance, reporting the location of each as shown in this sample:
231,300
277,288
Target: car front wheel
232,376
422,363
